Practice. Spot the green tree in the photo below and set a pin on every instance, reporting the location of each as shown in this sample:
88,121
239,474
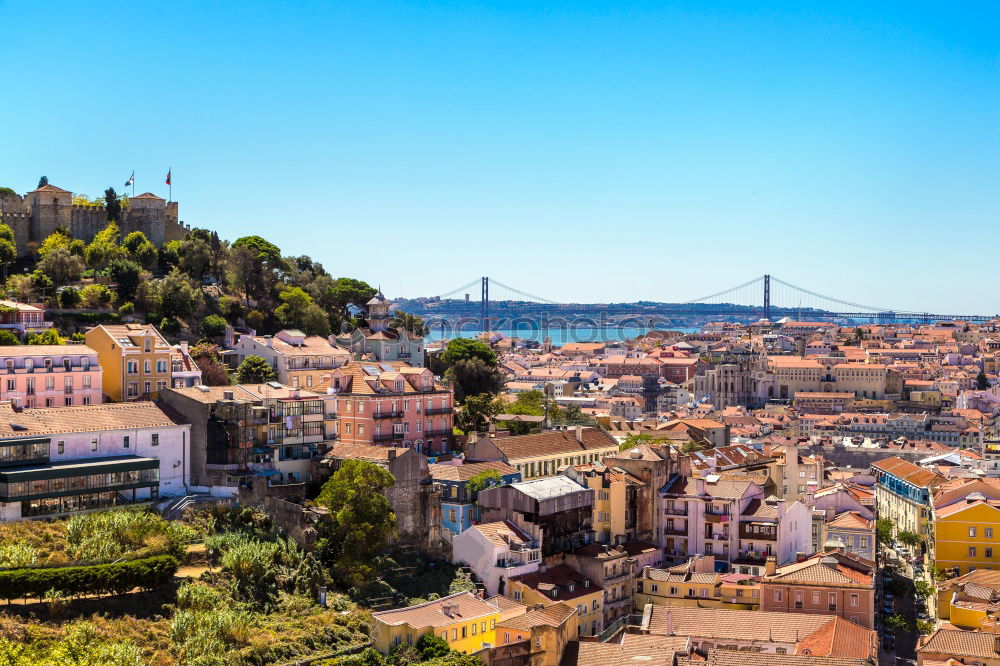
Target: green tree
127,275
59,239
431,646
213,326
691,446
231,308
634,439
297,310
488,478
884,529
896,624
982,381
255,370
529,403
461,349
264,251
169,255
140,249
908,538
61,266
49,336
20,287
112,205
361,520
923,589
8,253
925,627
196,256
43,181
104,247
246,273
41,282
411,323
179,297
476,411
6,233
96,296
345,292
473,376
7,338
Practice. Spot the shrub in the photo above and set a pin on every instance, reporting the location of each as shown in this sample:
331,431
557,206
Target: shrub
111,535
126,309
114,578
170,326
96,296
69,297
7,338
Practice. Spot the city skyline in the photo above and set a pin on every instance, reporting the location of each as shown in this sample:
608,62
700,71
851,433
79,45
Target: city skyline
587,153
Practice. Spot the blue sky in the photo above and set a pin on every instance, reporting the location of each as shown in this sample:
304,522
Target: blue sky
580,151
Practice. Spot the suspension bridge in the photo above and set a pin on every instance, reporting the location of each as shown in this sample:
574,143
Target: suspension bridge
765,296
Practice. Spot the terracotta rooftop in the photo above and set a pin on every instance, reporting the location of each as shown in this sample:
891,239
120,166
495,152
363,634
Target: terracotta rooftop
553,442
551,616
909,472
464,472
957,643
466,606
744,658
558,579
630,650
84,418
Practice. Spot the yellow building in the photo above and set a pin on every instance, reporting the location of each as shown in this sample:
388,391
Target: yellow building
546,631
695,584
562,584
616,497
543,454
966,535
464,620
135,359
970,601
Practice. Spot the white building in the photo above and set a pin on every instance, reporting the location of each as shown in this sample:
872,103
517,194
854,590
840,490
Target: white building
496,552
56,461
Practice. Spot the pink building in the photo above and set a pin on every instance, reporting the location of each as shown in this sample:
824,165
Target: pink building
50,376
391,404
22,318
828,583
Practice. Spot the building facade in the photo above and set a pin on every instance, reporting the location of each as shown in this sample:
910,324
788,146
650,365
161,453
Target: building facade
50,376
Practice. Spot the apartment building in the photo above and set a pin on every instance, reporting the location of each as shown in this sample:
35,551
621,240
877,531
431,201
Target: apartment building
613,569
61,460
458,503
463,620
696,584
543,454
382,342
249,430
960,647
828,583
903,494
299,360
135,360
562,585
616,500
50,376
497,552
731,520
22,319
392,403
965,516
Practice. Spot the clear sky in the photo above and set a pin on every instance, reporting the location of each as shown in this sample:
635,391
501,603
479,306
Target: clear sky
581,151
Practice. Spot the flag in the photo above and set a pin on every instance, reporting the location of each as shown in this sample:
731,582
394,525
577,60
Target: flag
168,176
131,180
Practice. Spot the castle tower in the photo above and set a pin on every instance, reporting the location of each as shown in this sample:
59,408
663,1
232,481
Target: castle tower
378,312
50,207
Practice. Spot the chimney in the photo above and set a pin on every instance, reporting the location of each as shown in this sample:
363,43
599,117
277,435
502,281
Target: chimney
670,624
269,341
770,565
699,487
579,434
392,454
810,498
184,347
780,509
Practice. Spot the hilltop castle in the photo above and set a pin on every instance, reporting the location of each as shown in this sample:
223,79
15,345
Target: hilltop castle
36,215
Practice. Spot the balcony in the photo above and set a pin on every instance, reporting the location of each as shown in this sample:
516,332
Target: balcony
676,511
438,410
395,414
387,436
675,531
438,433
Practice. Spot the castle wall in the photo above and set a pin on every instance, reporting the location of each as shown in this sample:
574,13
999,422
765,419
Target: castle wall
86,221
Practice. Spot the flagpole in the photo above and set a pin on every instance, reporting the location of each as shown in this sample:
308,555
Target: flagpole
133,183
171,184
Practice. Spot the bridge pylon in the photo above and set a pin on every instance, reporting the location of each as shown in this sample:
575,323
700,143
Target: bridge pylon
767,297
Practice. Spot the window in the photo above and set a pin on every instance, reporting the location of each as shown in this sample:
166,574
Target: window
125,442
61,446
988,552
593,605
704,593
451,515
473,628
778,595
864,542
146,387
444,635
988,532
93,444
465,632
854,600
11,384
972,551
656,588
146,367
156,439
454,634
161,366
972,531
